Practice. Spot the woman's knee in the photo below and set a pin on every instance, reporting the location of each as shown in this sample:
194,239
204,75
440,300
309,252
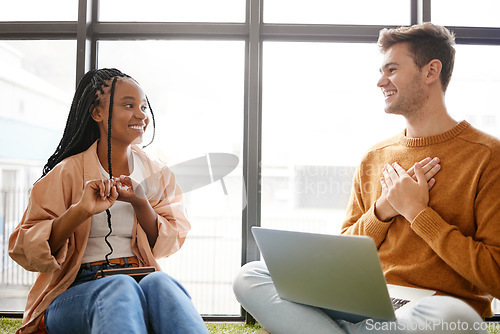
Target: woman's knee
120,287
115,298
161,282
119,281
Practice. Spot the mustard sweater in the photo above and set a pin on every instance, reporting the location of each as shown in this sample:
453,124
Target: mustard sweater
453,246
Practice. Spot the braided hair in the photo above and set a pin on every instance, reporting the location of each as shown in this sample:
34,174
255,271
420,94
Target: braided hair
81,130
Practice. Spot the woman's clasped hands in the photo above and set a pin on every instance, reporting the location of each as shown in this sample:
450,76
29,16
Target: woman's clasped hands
99,195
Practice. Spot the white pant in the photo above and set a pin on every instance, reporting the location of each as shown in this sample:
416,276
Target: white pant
255,291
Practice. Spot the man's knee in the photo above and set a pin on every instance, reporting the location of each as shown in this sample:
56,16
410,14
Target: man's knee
251,276
454,309
459,313
247,276
452,315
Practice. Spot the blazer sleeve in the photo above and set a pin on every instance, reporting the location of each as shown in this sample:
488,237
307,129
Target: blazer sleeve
167,200
28,244
173,224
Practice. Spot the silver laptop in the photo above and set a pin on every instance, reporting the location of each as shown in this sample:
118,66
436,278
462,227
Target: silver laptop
336,272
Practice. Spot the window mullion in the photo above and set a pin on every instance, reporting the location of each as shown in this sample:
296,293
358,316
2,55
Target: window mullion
253,130
86,47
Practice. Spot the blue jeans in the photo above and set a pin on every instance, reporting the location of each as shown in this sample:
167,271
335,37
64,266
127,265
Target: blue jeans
118,304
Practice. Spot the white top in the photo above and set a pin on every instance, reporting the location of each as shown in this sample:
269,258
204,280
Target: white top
122,221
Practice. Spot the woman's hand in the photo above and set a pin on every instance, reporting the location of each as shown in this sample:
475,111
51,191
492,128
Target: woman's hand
129,190
98,196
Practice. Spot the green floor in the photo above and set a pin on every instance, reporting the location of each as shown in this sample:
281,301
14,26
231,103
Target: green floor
9,326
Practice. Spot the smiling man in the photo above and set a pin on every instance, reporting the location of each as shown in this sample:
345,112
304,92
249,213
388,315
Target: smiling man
428,197
446,238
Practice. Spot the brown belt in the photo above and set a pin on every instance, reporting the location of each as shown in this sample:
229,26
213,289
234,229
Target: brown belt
133,261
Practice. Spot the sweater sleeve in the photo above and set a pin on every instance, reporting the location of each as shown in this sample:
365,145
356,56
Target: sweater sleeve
476,257
361,218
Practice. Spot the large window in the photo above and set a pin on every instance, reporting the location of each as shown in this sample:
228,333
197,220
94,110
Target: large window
337,12
473,94
284,90
320,104
196,92
32,10
477,13
321,99
173,11
37,80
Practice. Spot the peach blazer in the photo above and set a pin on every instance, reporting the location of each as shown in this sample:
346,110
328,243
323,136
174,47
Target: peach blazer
62,187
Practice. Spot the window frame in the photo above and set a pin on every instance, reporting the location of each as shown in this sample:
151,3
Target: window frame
88,30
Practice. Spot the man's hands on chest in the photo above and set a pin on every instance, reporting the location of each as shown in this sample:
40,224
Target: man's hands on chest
404,192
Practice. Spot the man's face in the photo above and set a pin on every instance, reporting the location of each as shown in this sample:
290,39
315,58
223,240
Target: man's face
401,82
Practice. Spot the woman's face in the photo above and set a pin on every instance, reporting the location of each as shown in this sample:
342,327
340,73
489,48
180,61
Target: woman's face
129,117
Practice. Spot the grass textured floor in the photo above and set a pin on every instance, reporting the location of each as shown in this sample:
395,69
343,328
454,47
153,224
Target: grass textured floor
9,326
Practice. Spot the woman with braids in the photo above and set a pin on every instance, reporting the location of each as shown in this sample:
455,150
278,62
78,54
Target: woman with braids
102,203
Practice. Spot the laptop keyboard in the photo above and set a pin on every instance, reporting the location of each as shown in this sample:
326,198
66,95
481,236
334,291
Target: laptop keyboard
397,302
